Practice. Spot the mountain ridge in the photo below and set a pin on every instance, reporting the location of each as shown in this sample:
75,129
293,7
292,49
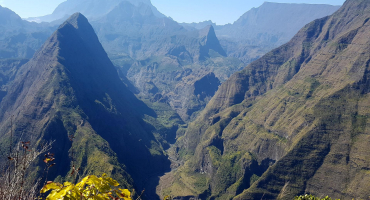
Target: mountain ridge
19,38
96,9
262,29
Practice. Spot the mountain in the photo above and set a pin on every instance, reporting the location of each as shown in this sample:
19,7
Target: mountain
19,38
71,88
138,33
200,25
272,24
293,122
9,17
209,41
157,54
92,9
136,38
128,27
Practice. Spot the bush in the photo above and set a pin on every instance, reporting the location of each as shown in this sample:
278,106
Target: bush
13,181
90,188
311,197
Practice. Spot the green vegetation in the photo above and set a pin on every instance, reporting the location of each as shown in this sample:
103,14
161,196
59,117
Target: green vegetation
311,197
90,188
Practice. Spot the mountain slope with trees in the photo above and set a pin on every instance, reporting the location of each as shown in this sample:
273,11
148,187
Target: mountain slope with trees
295,121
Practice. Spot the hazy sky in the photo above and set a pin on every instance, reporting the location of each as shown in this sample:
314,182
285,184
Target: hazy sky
219,11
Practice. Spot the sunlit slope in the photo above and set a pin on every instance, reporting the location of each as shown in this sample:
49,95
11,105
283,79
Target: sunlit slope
294,121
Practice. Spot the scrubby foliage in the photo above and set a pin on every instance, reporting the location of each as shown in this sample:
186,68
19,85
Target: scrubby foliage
311,197
13,181
90,188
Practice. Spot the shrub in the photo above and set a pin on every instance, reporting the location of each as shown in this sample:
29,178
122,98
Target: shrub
90,188
13,181
311,197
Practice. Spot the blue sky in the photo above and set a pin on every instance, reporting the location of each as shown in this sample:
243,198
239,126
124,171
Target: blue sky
219,11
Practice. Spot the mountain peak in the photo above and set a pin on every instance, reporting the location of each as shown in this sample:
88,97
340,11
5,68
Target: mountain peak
9,16
77,20
355,4
207,31
78,24
209,41
126,10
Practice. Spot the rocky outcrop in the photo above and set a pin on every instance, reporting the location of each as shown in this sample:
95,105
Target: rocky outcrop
192,94
208,42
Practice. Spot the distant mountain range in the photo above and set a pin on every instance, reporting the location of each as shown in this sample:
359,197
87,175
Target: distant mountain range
200,25
157,54
261,29
20,38
137,37
93,9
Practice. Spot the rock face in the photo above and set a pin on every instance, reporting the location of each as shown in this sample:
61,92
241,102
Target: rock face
186,90
295,121
70,87
192,93
208,42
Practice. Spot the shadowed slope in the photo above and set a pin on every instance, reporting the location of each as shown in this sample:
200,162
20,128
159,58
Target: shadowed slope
70,87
